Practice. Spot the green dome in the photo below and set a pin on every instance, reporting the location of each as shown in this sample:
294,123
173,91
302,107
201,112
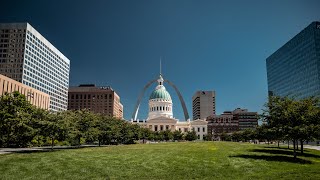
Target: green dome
160,93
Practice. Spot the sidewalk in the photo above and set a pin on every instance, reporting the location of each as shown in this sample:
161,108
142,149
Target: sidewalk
312,147
42,149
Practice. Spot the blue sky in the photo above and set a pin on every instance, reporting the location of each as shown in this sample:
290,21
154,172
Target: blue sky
205,45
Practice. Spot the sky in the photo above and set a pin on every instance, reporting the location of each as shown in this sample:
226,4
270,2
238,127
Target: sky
219,45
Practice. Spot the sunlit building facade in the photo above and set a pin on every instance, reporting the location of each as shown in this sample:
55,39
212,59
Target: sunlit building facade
27,57
35,97
102,100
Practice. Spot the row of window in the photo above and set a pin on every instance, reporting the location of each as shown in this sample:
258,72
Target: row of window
47,50
88,96
160,108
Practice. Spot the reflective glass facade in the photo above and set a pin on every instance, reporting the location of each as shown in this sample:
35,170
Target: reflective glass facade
294,69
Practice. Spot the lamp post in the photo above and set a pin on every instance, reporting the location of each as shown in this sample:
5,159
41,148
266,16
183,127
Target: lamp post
30,94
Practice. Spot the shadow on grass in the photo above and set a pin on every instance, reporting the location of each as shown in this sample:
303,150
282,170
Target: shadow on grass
284,152
273,158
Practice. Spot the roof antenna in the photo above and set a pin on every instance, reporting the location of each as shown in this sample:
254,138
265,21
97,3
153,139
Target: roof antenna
160,66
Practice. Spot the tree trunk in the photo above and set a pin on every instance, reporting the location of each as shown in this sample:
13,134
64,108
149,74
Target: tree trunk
294,149
288,144
52,143
301,143
297,144
99,143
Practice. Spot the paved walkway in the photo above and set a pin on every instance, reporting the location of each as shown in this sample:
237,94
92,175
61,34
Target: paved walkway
312,147
48,148
14,150
39,149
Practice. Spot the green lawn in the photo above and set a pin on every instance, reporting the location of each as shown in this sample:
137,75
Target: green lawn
184,160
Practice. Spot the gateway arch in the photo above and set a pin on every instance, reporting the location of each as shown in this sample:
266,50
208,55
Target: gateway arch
183,104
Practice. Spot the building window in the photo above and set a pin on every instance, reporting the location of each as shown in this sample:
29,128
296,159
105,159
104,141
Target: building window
198,129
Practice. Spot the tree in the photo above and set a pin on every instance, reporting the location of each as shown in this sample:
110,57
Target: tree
225,137
236,136
295,120
16,124
55,127
177,135
146,134
191,136
83,126
167,135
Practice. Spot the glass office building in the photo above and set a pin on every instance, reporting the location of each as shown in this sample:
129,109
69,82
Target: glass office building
294,69
26,56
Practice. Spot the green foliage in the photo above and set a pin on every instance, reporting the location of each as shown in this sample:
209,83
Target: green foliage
23,125
191,136
177,135
16,121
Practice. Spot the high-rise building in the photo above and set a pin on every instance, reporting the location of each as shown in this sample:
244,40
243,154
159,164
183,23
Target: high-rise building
246,119
27,57
203,104
35,97
102,100
294,69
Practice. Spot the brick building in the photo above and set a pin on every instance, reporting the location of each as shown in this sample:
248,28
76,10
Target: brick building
231,121
102,100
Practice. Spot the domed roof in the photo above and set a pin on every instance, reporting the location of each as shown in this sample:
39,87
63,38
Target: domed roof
160,93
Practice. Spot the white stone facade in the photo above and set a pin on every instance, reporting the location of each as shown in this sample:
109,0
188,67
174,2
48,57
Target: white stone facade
161,118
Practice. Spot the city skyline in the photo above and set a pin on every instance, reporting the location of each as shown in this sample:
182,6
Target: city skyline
219,46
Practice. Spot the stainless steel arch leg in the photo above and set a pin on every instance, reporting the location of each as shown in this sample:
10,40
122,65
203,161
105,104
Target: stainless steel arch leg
136,109
183,104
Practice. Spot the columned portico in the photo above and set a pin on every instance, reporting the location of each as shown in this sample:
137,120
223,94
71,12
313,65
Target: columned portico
160,117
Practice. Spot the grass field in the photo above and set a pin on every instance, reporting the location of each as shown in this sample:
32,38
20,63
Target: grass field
189,160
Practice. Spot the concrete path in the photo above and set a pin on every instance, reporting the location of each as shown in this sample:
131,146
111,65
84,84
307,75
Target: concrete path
48,148
39,149
312,147
14,150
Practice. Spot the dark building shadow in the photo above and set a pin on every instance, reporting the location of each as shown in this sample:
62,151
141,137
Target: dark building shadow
274,158
284,152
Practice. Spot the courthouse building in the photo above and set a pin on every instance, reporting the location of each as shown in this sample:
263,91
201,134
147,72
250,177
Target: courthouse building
160,117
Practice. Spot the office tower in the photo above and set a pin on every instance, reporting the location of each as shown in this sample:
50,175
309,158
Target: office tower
246,119
294,69
203,104
35,97
27,57
102,100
